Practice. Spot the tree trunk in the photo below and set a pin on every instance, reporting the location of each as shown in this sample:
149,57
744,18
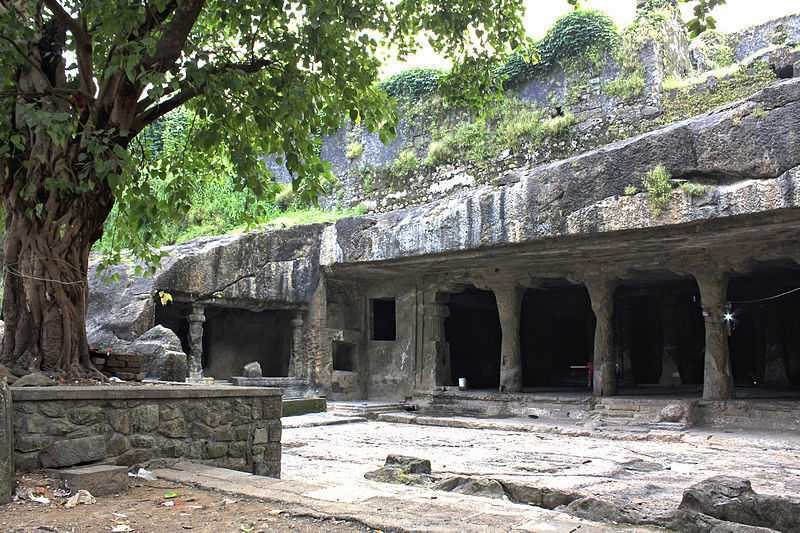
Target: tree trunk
46,290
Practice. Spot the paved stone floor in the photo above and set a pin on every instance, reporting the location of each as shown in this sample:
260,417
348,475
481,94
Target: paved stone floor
647,474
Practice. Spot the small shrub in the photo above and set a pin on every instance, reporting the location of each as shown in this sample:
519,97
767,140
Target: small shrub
693,190
658,186
758,112
630,190
284,198
626,88
405,164
439,153
558,125
354,150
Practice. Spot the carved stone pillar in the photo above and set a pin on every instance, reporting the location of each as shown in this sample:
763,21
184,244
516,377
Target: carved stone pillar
670,373
509,307
601,293
435,369
196,320
297,356
717,374
6,444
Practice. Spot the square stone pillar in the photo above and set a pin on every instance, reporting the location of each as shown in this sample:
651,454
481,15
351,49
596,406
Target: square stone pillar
7,472
509,307
435,369
196,320
297,359
601,293
717,373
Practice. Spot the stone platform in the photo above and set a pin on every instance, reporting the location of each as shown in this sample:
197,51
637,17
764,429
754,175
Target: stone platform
755,409
291,387
230,427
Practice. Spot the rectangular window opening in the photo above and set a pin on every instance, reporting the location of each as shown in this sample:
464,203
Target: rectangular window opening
344,356
384,319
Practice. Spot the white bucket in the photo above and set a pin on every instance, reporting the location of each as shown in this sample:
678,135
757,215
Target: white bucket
462,383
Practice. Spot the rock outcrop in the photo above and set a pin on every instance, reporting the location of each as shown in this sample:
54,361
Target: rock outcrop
747,154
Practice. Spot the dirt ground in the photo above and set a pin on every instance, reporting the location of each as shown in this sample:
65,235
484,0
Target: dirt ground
145,509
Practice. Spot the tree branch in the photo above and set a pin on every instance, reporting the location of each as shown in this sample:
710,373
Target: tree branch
172,42
83,45
148,115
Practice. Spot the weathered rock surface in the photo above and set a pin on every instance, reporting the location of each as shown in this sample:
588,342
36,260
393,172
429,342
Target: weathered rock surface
691,522
36,379
6,373
7,472
252,370
403,469
410,465
749,155
734,500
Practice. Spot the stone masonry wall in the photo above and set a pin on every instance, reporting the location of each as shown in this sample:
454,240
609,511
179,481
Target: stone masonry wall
229,427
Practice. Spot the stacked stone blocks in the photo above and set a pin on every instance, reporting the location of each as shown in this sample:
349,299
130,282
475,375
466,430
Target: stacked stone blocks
238,432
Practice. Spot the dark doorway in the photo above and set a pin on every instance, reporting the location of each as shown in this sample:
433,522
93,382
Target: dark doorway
557,336
174,316
474,335
765,328
659,333
384,319
234,337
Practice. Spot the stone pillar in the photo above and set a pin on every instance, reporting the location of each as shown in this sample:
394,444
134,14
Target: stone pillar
601,293
196,320
717,374
435,370
7,472
509,307
297,359
670,373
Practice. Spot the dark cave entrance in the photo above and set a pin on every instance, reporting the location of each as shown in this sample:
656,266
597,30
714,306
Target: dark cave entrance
174,316
659,333
765,330
557,336
474,335
234,337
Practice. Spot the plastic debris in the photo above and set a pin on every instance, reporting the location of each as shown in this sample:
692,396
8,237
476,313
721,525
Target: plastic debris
121,528
115,379
119,516
40,499
168,504
81,497
142,473
170,494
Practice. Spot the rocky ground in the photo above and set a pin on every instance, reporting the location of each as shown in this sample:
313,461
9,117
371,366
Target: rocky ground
145,509
646,475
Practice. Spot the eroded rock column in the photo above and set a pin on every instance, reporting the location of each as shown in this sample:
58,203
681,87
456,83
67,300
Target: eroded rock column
296,358
7,472
717,374
509,307
601,293
196,320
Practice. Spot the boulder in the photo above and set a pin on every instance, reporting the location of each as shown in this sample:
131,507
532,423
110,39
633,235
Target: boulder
36,379
408,464
692,522
162,355
252,370
598,510
673,412
486,487
733,499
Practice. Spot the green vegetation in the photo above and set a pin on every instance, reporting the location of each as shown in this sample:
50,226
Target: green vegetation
413,83
626,88
693,190
688,99
658,186
716,49
758,112
406,163
354,149
630,190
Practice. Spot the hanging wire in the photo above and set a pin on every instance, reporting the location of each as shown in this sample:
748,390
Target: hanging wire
768,298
